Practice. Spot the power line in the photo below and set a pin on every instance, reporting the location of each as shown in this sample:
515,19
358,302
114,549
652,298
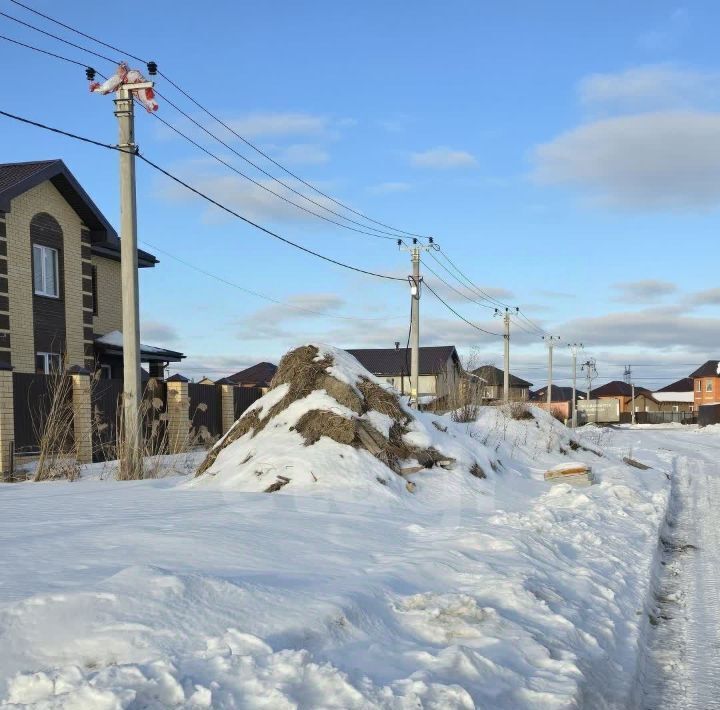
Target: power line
43,51
265,297
452,288
379,233
462,318
214,117
209,199
265,187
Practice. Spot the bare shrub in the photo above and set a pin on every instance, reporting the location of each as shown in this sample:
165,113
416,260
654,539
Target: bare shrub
55,432
518,411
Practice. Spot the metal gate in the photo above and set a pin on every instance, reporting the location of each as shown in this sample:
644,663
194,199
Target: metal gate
205,409
32,398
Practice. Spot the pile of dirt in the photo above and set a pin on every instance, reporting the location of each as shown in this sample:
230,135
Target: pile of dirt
306,370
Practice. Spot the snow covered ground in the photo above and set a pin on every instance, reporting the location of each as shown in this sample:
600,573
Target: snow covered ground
506,592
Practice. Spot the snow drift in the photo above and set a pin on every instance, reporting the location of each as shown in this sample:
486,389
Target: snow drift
328,422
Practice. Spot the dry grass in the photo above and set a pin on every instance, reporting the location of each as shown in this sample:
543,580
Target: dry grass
381,400
315,424
518,411
55,432
477,471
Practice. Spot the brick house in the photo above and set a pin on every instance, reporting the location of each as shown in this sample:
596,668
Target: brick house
60,290
706,381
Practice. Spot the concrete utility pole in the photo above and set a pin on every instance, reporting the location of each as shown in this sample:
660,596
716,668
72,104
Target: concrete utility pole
131,465
550,340
629,380
574,349
590,372
506,354
415,281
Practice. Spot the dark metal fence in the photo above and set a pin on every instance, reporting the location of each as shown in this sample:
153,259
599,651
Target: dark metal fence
208,416
32,398
244,397
659,417
105,399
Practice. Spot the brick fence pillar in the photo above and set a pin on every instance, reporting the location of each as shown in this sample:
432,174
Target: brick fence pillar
227,395
82,413
178,414
7,421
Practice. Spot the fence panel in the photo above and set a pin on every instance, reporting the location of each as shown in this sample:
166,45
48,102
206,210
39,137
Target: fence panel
105,398
244,397
209,416
32,398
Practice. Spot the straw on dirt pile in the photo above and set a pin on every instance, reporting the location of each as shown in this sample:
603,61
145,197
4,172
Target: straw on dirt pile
304,371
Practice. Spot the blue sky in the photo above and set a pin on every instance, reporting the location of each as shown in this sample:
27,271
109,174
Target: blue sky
566,155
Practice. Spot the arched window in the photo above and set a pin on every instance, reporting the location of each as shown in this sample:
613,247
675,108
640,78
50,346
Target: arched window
47,237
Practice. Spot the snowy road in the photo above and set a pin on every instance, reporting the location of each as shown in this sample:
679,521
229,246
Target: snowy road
683,664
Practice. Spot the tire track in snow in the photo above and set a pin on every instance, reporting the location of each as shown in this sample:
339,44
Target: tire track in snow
684,653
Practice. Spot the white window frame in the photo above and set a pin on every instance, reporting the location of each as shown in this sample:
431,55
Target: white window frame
43,290
48,358
708,385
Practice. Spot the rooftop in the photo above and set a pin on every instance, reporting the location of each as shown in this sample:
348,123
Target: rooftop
494,376
396,361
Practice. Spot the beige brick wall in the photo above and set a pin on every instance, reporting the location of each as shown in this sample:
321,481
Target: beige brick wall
42,198
7,422
109,292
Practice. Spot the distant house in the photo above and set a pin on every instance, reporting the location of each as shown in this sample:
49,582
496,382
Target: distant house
706,381
677,397
559,394
256,376
206,381
493,386
439,368
622,392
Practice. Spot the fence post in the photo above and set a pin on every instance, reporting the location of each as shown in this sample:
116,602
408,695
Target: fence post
178,414
227,405
7,421
82,413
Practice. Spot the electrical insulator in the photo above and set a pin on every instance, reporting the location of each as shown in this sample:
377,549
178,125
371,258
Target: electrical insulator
90,74
152,68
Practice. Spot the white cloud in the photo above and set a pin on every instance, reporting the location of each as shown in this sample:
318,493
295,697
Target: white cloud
652,86
155,332
442,158
248,199
278,124
669,328
644,290
656,161
304,154
385,188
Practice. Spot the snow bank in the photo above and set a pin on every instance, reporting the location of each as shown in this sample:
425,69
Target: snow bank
502,592
328,424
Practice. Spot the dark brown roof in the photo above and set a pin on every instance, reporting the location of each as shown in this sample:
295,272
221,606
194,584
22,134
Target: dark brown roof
396,361
494,376
709,369
18,178
559,394
684,385
618,388
259,375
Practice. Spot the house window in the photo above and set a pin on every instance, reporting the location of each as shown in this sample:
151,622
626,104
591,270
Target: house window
105,372
699,386
93,275
45,270
708,386
47,363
